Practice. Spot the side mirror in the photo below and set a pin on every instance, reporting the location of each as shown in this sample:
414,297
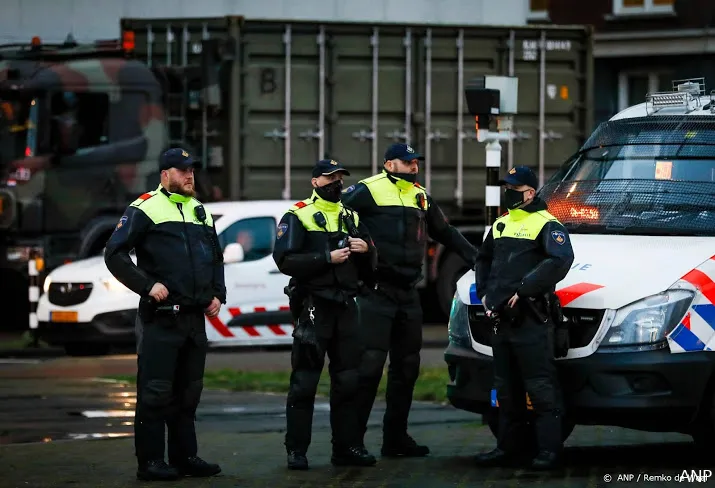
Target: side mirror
233,253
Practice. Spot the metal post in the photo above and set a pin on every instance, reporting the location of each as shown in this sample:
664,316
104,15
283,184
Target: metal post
286,115
408,85
204,111
169,44
149,45
512,49
233,137
375,43
542,105
459,191
428,109
321,94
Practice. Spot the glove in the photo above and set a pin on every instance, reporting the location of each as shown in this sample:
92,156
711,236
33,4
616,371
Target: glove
561,342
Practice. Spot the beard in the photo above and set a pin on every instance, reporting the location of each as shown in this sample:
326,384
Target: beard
186,190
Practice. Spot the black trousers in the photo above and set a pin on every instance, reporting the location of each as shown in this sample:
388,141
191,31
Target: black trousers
336,327
391,322
171,358
524,363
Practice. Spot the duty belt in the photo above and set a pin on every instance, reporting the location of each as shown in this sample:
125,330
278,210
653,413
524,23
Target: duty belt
177,309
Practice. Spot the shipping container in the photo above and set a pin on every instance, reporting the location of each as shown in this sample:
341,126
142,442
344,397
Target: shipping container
291,92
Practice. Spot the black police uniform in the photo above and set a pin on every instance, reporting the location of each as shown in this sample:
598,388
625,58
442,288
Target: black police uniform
527,251
322,298
399,215
176,245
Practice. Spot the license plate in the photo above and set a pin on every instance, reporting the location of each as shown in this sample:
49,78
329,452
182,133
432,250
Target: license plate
63,316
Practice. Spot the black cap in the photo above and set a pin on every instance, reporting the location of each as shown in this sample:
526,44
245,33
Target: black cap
520,175
326,167
403,152
177,158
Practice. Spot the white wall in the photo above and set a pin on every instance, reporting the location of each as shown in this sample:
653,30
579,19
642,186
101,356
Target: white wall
52,20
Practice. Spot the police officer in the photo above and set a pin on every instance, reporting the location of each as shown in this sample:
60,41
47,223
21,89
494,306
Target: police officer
327,251
399,215
179,277
525,254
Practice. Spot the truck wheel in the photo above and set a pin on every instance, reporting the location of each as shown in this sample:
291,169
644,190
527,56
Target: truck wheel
82,349
492,419
451,269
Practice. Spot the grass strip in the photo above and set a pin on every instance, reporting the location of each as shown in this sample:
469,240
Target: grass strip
431,385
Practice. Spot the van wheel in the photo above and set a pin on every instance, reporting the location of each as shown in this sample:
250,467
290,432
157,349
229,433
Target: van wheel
81,349
492,419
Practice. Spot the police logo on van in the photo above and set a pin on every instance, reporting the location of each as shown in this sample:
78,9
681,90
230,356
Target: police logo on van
282,229
559,237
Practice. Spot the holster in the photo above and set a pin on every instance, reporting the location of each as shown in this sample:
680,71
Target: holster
147,309
304,330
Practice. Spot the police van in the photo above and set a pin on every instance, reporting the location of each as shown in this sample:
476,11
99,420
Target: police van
638,199
86,310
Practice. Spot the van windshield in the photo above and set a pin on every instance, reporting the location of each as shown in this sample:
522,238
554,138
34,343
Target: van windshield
652,179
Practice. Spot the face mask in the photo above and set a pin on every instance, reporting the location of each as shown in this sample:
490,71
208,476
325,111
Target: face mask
513,198
409,177
330,192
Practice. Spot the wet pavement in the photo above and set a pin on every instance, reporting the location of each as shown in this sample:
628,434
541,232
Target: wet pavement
50,408
35,410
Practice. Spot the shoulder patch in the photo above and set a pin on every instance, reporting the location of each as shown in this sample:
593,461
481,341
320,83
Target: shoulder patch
419,186
300,205
281,230
146,196
349,189
559,237
121,222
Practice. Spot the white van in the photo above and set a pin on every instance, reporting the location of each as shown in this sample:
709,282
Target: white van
638,200
86,310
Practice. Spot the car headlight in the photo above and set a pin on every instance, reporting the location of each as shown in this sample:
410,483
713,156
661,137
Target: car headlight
114,285
46,284
649,320
458,325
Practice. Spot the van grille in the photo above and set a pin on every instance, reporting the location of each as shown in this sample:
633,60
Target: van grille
583,324
68,294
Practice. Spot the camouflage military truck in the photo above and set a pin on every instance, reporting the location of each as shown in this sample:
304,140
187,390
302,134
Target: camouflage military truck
81,129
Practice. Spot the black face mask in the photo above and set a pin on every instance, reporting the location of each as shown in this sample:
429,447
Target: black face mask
513,198
411,177
330,192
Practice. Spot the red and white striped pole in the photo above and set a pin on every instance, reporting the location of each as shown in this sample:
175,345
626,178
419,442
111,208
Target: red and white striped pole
34,293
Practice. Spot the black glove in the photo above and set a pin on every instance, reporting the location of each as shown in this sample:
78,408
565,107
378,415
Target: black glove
561,341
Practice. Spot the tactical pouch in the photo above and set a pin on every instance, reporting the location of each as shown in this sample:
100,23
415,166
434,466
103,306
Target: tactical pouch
555,311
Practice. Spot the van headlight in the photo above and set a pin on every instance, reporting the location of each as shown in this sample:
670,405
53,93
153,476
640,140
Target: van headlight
114,285
458,325
649,320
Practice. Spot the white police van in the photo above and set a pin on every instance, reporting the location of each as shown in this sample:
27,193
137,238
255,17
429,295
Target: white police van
638,200
86,310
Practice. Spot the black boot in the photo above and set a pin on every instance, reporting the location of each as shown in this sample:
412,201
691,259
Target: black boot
196,467
496,457
546,460
297,460
404,445
157,470
352,456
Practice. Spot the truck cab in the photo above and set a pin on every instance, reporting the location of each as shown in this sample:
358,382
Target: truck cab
638,200
81,130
